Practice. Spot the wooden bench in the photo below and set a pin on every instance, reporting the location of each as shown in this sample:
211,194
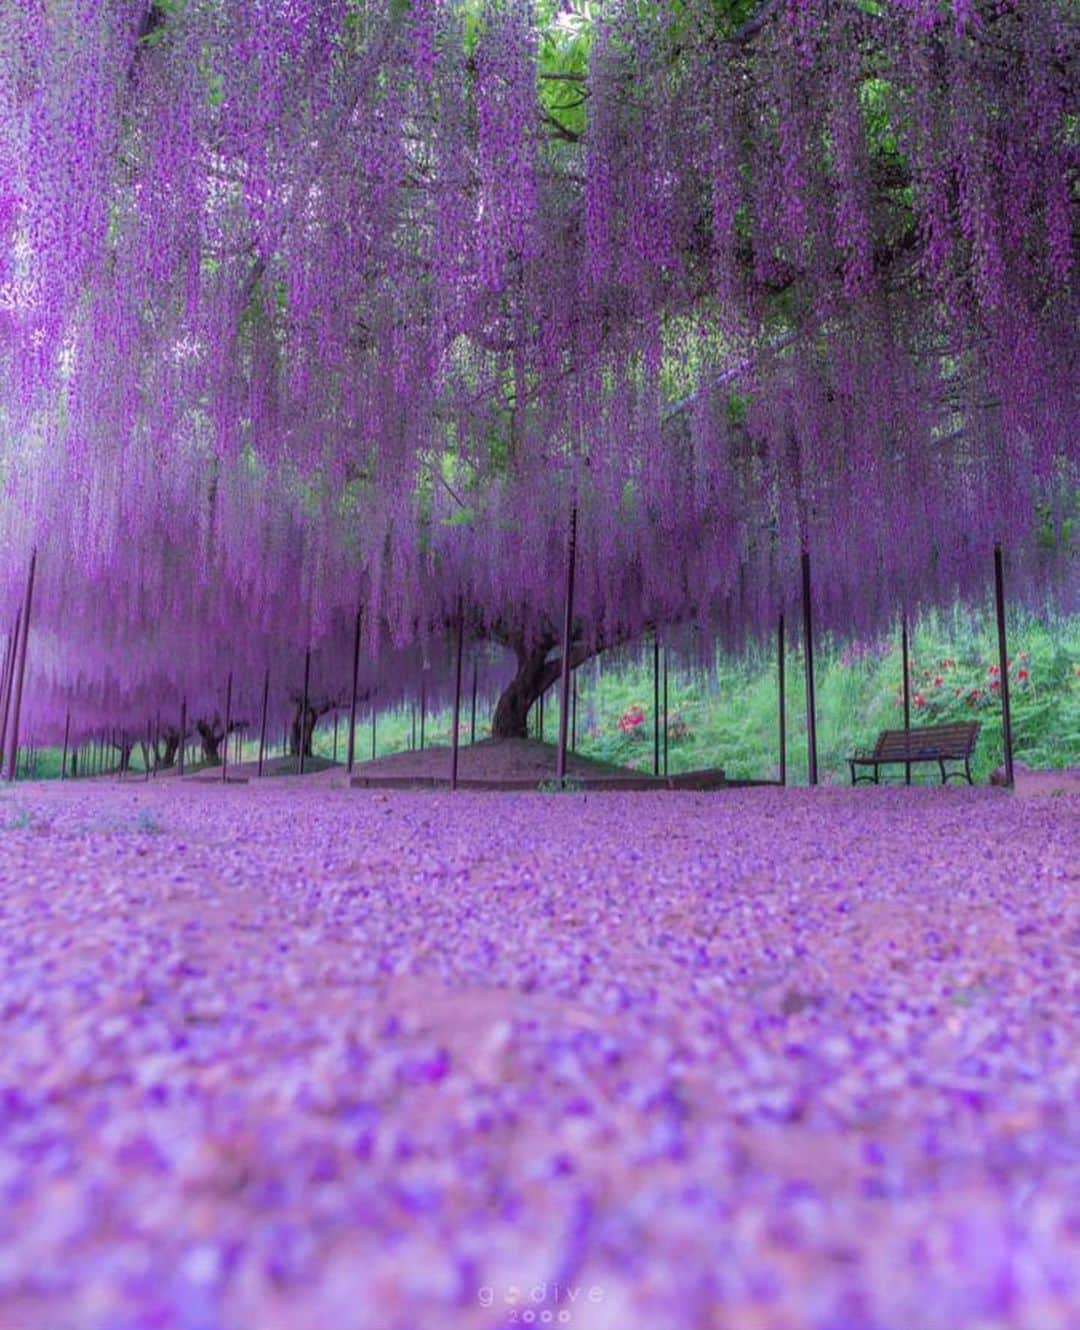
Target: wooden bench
954,742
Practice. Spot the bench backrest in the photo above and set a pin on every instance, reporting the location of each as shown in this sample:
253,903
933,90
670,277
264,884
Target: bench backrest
955,740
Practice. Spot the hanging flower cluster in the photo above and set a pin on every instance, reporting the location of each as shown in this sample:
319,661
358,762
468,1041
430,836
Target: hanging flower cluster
305,305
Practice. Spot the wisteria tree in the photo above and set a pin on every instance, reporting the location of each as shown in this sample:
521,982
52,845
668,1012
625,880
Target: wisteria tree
329,304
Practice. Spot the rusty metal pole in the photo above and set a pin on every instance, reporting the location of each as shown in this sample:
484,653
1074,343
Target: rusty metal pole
457,695
351,748
782,711
472,721
262,722
1003,664
20,667
67,739
808,646
906,694
183,733
567,640
423,709
228,717
373,731
573,713
303,713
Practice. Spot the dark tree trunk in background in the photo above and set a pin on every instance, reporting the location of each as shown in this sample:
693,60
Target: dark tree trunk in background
294,730
315,710
167,746
210,735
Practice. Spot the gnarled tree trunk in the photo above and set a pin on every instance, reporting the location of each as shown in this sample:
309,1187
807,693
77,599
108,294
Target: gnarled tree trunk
165,749
535,673
211,733
124,746
306,723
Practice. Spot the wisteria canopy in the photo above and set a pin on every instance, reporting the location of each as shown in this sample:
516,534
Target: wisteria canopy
308,306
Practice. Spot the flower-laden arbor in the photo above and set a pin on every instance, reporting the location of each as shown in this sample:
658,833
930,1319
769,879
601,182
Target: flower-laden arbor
315,305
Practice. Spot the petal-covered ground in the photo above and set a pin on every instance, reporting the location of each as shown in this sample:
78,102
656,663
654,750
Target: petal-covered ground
287,1058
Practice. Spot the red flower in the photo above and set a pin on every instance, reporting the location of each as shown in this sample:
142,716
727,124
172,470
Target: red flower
1021,674
938,681
920,701
993,670
629,721
995,686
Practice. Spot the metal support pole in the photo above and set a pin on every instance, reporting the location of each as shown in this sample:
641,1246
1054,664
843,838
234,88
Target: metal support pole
183,733
423,709
412,721
472,720
337,717
781,708
906,694
540,718
351,747
573,712
656,703
5,684
67,740
262,722
665,714
567,640
1003,664
20,667
373,732
808,646
303,713
228,717
457,696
